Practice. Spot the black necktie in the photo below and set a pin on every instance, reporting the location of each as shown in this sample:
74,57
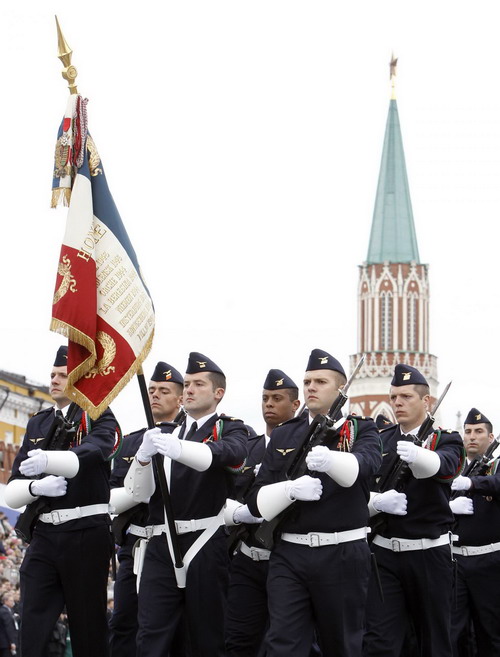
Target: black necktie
191,431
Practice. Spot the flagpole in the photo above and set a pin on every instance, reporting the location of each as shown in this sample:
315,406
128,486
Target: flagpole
70,73
160,473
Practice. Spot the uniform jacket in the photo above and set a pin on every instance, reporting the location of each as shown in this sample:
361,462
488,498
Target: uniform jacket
91,483
483,526
339,508
196,494
428,512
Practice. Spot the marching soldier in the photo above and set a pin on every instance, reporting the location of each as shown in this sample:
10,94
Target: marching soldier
319,568
247,617
165,397
200,462
67,561
412,547
477,550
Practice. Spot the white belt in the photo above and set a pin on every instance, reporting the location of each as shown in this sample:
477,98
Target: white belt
474,550
255,553
408,544
181,527
317,539
58,516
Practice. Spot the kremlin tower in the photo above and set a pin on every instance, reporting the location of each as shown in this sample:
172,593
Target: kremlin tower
393,289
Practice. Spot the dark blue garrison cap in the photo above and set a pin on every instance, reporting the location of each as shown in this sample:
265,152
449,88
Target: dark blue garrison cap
61,356
277,379
322,360
406,375
165,372
199,363
476,417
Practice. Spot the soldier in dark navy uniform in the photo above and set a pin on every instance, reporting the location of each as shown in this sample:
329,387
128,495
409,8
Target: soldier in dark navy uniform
247,616
67,561
477,550
412,545
319,568
200,462
165,396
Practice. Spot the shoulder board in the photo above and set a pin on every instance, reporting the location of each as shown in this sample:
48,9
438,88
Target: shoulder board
228,418
44,410
133,433
385,429
291,420
353,416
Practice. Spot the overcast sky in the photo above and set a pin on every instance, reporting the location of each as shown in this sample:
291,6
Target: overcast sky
242,143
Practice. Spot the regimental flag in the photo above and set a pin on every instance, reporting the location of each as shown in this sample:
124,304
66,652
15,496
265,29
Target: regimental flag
101,302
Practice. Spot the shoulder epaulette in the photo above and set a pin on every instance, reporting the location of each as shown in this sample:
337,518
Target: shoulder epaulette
354,416
292,419
228,418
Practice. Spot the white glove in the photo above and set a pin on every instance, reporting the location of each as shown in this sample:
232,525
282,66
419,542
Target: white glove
35,464
147,449
461,483
462,505
242,514
256,469
305,489
342,467
167,445
50,486
390,502
407,451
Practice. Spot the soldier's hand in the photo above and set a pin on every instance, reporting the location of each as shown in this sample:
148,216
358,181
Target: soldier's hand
242,514
147,448
305,488
462,506
319,459
407,451
256,469
35,464
390,502
461,483
167,445
50,486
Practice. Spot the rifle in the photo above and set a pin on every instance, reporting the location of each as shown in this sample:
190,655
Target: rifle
479,465
321,428
59,437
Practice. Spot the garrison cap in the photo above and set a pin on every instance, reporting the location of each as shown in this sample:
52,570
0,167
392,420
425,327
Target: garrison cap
165,372
382,422
61,356
277,379
405,375
322,360
199,363
476,417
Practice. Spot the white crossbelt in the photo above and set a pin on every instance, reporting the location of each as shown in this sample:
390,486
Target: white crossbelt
181,526
409,544
318,539
474,550
255,553
58,516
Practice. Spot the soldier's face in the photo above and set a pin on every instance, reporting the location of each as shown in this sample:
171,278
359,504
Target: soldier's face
320,389
200,398
476,439
164,399
277,407
408,407
58,381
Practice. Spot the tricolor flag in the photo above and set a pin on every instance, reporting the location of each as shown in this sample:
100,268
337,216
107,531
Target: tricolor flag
101,302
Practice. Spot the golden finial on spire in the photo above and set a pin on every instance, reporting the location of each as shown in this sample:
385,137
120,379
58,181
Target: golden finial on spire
392,68
64,53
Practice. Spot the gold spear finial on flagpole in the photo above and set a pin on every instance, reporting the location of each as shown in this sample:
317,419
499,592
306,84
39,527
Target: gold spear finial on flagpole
64,53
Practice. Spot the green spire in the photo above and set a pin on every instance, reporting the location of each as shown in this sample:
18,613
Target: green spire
393,237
